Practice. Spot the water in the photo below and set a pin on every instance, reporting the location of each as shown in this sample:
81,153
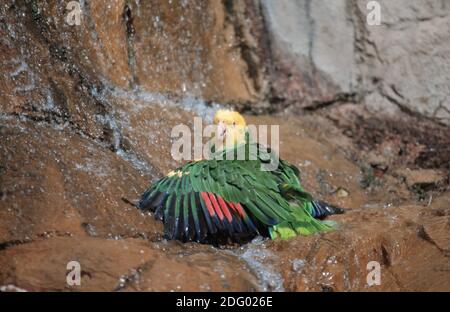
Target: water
133,103
11,288
142,99
258,259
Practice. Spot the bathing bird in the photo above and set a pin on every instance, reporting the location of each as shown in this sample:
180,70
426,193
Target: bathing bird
230,197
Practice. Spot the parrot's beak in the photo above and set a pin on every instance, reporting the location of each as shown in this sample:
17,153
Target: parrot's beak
221,129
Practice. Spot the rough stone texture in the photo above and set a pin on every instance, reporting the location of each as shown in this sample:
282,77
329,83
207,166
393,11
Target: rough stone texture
418,178
189,43
258,55
56,183
411,58
395,238
186,48
325,52
313,45
128,264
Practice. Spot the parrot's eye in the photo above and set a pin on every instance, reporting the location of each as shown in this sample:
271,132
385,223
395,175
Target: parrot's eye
234,123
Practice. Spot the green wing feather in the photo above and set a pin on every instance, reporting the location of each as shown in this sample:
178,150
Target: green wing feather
273,202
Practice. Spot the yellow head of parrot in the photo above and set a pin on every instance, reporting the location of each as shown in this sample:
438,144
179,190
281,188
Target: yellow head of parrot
229,117
231,126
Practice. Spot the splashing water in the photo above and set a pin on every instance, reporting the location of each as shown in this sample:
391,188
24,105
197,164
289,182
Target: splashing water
257,257
144,99
136,101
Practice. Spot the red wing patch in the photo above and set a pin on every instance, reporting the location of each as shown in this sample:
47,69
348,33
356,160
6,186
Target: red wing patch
220,216
223,205
208,203
238,208
216,206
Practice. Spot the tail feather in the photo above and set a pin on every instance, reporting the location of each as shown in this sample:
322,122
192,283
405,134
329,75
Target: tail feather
302,224
322,209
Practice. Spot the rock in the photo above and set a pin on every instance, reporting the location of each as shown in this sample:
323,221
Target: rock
48,217
378,161
193,45
305,37
300,54
436,225
144,122
342,192
194,268
127,264
407,56
325,52
57,183
421,177
437,231
339,260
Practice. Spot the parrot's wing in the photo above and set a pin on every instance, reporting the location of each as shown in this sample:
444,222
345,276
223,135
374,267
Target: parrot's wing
211,198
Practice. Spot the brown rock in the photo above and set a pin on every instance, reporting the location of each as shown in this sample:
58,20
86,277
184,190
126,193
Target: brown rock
436,225
338,260
128,264
182,48
54,183
421,177
146,126
194,268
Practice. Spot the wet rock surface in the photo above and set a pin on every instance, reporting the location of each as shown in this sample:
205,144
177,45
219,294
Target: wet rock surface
66,198
393,236
123,265
56,183
86,114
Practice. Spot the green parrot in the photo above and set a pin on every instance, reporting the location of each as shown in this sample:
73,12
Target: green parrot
230,199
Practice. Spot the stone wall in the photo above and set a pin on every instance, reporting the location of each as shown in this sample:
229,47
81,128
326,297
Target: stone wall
324,52
261,55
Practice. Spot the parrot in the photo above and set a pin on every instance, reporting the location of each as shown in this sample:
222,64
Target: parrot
223,200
